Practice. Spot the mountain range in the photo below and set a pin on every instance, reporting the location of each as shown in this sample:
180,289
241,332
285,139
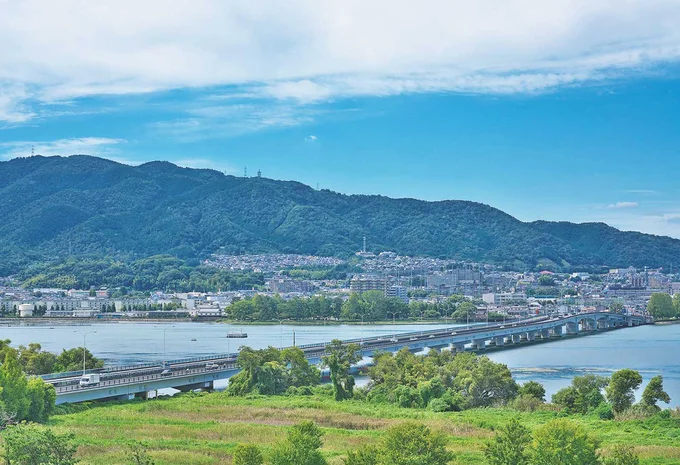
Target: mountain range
52,207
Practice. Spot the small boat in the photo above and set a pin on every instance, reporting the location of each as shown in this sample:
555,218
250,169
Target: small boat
239,335
193,340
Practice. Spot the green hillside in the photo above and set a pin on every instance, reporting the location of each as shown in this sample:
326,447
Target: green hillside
87,205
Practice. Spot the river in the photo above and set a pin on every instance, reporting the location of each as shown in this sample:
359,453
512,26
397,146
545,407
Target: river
651,350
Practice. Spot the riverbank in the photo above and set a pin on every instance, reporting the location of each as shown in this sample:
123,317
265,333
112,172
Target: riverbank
205,428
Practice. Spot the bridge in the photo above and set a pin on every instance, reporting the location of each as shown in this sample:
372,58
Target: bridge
128,382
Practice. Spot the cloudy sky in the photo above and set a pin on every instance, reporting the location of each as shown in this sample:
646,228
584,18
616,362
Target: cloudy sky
559,110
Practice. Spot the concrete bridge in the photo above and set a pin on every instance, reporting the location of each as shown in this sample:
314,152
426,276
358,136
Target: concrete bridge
127,382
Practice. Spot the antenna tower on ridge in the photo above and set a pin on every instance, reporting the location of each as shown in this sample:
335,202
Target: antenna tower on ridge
32,150
245,171
259,173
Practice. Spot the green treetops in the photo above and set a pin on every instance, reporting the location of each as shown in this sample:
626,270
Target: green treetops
620,389
247,454
339,358
509,446
301,447
563,442
654,392
405,444
661,306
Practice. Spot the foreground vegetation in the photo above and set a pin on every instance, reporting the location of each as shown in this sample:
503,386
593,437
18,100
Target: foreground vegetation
207,428
436,409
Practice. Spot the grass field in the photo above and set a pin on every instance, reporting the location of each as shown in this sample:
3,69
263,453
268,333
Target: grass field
205,428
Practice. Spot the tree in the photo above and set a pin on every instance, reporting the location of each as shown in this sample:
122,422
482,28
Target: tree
339,359
300,372
654,392
481,382
28,444
622,455
72,360
509,446
584,394
414,444
676,304
565,443
14,386
616,306
247,454
620,389
301,447
532,389
660,306
138,454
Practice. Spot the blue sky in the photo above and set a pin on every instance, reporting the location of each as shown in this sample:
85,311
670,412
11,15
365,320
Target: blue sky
567,111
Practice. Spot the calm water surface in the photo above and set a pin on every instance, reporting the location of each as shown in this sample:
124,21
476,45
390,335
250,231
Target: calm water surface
651,350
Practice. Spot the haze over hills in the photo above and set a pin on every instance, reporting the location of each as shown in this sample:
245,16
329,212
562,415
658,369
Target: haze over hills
89,205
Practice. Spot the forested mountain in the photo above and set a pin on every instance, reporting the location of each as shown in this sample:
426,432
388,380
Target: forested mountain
51,206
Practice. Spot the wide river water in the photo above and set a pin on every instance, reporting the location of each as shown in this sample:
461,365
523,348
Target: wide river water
651,350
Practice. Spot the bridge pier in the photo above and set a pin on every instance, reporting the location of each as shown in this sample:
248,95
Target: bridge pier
572,328
545,334
531,336
479,344
499,341
557,331
459,347
516,338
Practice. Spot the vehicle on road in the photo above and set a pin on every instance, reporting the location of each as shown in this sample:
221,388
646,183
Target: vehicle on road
91,379
211,366
394,339
166,372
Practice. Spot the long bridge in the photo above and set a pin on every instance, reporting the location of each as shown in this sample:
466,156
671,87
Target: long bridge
128,382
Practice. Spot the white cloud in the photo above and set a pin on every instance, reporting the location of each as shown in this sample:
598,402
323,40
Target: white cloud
98,146
234,119
618,205
307,51
311,138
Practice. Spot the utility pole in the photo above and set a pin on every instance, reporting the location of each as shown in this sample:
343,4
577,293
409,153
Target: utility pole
84,347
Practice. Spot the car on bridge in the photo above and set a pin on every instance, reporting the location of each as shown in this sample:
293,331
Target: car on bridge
166,372
211,366
91,379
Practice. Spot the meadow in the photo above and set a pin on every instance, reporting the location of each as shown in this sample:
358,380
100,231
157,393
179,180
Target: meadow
204,428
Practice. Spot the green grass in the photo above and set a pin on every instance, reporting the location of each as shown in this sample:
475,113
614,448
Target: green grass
205,428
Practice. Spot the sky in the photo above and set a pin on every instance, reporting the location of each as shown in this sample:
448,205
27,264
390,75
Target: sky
561,110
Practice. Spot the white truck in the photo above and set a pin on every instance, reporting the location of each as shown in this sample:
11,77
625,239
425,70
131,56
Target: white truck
91,379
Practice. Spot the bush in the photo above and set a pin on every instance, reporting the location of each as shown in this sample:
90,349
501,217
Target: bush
622,455
526,403
439,405
604,411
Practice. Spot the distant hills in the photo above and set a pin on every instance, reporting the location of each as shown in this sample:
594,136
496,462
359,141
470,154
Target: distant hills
53,206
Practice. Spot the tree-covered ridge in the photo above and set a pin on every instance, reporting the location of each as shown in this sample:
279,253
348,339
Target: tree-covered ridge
84,205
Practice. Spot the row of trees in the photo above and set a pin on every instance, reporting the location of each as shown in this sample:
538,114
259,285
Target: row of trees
369,306
35,361
440,381
662,306
272,371
610,396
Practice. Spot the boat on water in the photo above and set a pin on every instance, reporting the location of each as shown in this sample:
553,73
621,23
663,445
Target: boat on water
238,335
193,340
